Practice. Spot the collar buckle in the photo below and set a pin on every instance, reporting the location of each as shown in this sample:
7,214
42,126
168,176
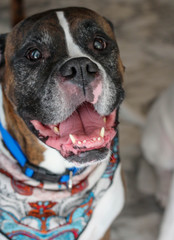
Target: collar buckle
70,180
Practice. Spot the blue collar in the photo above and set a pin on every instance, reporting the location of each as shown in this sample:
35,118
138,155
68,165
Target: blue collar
31,170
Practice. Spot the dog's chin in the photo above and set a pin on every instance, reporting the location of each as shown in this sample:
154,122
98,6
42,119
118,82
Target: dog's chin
84,138
89,157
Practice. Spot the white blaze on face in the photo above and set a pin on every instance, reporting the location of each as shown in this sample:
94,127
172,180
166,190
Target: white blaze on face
73,49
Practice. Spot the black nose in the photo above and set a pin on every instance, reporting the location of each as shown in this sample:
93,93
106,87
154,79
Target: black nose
79,71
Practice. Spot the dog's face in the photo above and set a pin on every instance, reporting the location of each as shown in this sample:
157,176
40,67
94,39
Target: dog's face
63,76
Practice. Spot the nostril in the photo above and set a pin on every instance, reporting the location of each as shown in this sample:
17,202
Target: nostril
68,71
92,68
72,73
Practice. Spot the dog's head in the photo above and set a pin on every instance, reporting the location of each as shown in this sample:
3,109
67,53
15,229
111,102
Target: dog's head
63,77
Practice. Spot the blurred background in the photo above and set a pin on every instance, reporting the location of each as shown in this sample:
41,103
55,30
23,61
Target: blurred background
145,35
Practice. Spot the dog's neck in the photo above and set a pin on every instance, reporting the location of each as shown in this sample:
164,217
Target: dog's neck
36,152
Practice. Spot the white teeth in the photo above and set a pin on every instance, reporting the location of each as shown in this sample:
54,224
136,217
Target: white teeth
104,119
72,138
56,129
102,132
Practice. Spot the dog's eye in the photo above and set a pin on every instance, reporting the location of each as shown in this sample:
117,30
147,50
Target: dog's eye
34,55
99,43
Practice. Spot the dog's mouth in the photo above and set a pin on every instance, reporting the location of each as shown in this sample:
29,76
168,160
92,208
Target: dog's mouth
83,134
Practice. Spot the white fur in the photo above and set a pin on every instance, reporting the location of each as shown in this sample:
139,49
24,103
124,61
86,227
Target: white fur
158,148
112,202
54,161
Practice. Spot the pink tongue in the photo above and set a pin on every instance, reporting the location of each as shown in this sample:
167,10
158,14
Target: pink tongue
84,121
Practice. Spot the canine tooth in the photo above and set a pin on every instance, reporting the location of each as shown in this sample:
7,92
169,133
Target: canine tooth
104,119
72,138
102,132
99,138
56,130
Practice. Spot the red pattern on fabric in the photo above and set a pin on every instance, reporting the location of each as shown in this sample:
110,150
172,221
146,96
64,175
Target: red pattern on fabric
21,188
79,187
42,212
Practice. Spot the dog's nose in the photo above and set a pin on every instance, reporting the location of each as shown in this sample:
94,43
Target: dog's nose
79,71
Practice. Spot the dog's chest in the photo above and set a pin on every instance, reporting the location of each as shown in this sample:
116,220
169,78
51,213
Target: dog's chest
63,217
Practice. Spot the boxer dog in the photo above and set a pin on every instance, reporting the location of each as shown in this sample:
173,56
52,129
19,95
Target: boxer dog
61,87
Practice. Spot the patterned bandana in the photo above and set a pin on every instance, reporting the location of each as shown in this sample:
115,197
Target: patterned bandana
48,211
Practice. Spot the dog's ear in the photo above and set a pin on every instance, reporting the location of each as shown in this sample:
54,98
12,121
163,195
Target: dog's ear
2,49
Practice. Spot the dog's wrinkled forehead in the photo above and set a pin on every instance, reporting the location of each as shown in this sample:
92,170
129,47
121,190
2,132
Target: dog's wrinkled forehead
50,28
88,19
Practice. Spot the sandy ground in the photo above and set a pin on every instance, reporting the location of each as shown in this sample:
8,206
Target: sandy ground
145,34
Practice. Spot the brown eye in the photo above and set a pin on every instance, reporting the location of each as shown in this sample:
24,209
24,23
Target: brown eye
99,43
34,55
